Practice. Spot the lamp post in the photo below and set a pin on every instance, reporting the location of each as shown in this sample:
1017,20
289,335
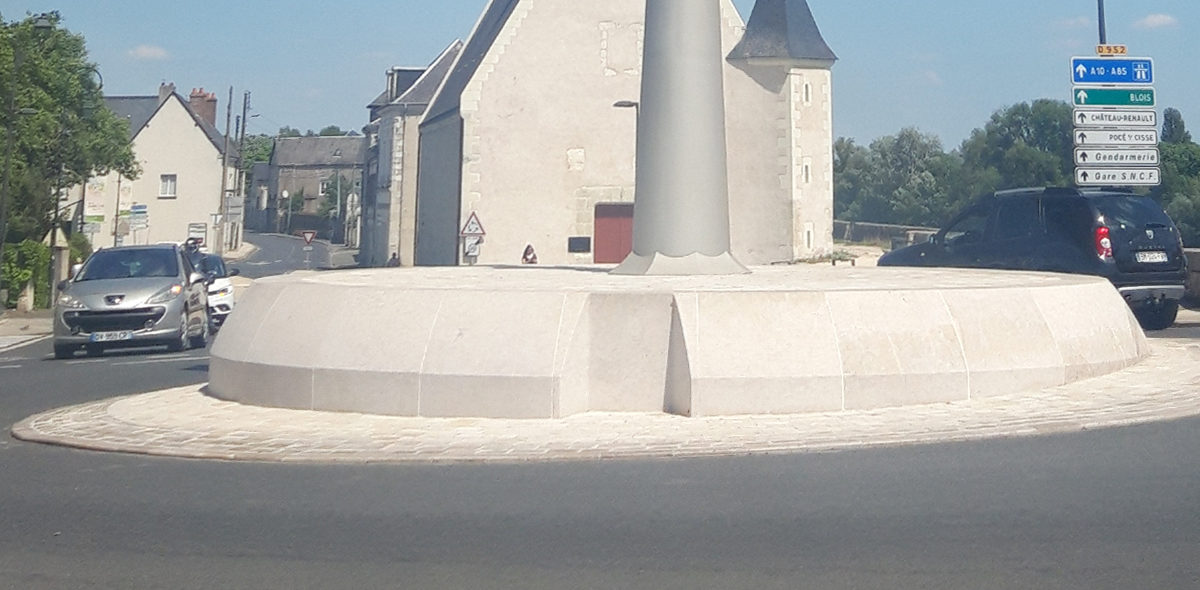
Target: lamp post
1103,28
56,262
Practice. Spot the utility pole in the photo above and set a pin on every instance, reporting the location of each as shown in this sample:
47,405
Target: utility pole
222,208
241,175
1103,28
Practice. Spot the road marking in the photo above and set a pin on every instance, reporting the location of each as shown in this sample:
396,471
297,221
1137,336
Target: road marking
161,360
10,366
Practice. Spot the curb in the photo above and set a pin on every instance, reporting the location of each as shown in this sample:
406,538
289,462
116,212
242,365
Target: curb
183,422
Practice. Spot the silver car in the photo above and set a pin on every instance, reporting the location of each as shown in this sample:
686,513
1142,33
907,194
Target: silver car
132,296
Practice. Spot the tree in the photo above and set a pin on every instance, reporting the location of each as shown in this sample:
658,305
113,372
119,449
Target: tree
257,150
288,132
1029,144
1174,130
850,182
1180,188
337,187
62,133
900,179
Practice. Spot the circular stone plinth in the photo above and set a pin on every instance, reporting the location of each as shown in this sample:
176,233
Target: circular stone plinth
545,342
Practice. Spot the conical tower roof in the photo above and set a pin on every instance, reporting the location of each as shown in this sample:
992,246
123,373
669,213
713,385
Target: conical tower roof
783,30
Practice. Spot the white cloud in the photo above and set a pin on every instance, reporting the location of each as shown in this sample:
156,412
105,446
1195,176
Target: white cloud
1079,22
149,53
1157,21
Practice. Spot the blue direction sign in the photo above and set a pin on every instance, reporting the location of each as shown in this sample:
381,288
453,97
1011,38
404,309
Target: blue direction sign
1131,70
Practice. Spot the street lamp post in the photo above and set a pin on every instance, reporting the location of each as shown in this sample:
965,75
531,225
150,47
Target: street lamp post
55,262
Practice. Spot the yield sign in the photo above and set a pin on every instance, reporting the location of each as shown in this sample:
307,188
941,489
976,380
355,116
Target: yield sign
309,235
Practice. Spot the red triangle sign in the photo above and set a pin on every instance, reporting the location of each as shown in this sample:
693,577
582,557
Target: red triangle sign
309,235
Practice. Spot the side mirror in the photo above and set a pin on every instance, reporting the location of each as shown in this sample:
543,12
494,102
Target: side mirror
62,285
233,272
197,277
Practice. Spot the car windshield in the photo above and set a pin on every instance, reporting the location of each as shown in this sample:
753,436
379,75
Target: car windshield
213,266
121,264
1131,212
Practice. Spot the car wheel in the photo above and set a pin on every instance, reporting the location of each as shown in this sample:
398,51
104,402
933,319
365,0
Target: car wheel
180,343
1158,317
201,341
94,350
64,351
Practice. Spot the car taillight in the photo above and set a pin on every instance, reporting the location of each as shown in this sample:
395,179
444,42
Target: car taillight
1103,243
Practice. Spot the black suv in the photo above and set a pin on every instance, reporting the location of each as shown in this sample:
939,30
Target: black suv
1112,233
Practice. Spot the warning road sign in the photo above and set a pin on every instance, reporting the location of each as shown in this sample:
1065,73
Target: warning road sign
309,235
472,227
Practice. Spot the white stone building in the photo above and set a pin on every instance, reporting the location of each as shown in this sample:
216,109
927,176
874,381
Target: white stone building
523,135
178,194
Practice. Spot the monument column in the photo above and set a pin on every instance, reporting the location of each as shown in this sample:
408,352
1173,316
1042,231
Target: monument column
681,206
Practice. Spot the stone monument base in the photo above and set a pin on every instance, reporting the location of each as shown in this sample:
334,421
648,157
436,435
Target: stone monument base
546,342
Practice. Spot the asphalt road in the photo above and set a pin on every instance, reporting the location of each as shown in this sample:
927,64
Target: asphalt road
278,254
1106,509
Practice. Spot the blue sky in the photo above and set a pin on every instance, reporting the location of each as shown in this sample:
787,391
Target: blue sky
942,66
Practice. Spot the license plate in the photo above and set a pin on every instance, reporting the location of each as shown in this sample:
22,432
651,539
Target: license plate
112,336
1150,257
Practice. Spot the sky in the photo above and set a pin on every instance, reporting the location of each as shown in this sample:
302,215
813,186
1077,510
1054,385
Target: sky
941,66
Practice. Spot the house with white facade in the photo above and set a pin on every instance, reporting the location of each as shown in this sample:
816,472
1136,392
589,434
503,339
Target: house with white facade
389,204
524,139
184,169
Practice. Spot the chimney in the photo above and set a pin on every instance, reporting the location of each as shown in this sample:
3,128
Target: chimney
204,104
391,84
165,90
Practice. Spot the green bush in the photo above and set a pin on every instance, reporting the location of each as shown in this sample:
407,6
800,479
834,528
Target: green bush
81,248
24,262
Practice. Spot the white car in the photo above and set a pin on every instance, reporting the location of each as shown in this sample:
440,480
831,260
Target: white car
220,288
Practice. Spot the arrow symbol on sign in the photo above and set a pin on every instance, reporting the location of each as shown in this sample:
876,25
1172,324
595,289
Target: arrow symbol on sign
1081,71
1082,138
1083,157
1084,176
1082,118
1082,96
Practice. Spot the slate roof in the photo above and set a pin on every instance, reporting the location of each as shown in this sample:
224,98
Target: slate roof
448,99
424,89
783,29
138,110
318,151
405,78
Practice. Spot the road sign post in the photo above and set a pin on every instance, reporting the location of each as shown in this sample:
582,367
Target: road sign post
1115,135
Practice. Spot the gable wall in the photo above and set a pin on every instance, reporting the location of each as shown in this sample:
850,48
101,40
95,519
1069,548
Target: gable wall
542,143
171,143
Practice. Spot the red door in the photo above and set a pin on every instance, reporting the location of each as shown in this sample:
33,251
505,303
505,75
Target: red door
614,232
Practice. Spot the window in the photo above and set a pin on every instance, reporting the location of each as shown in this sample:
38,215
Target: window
324,188
168,186
969,227
1018,218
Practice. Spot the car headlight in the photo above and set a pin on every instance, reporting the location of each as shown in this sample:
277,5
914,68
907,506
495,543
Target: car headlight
222,292
70,302
166,294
